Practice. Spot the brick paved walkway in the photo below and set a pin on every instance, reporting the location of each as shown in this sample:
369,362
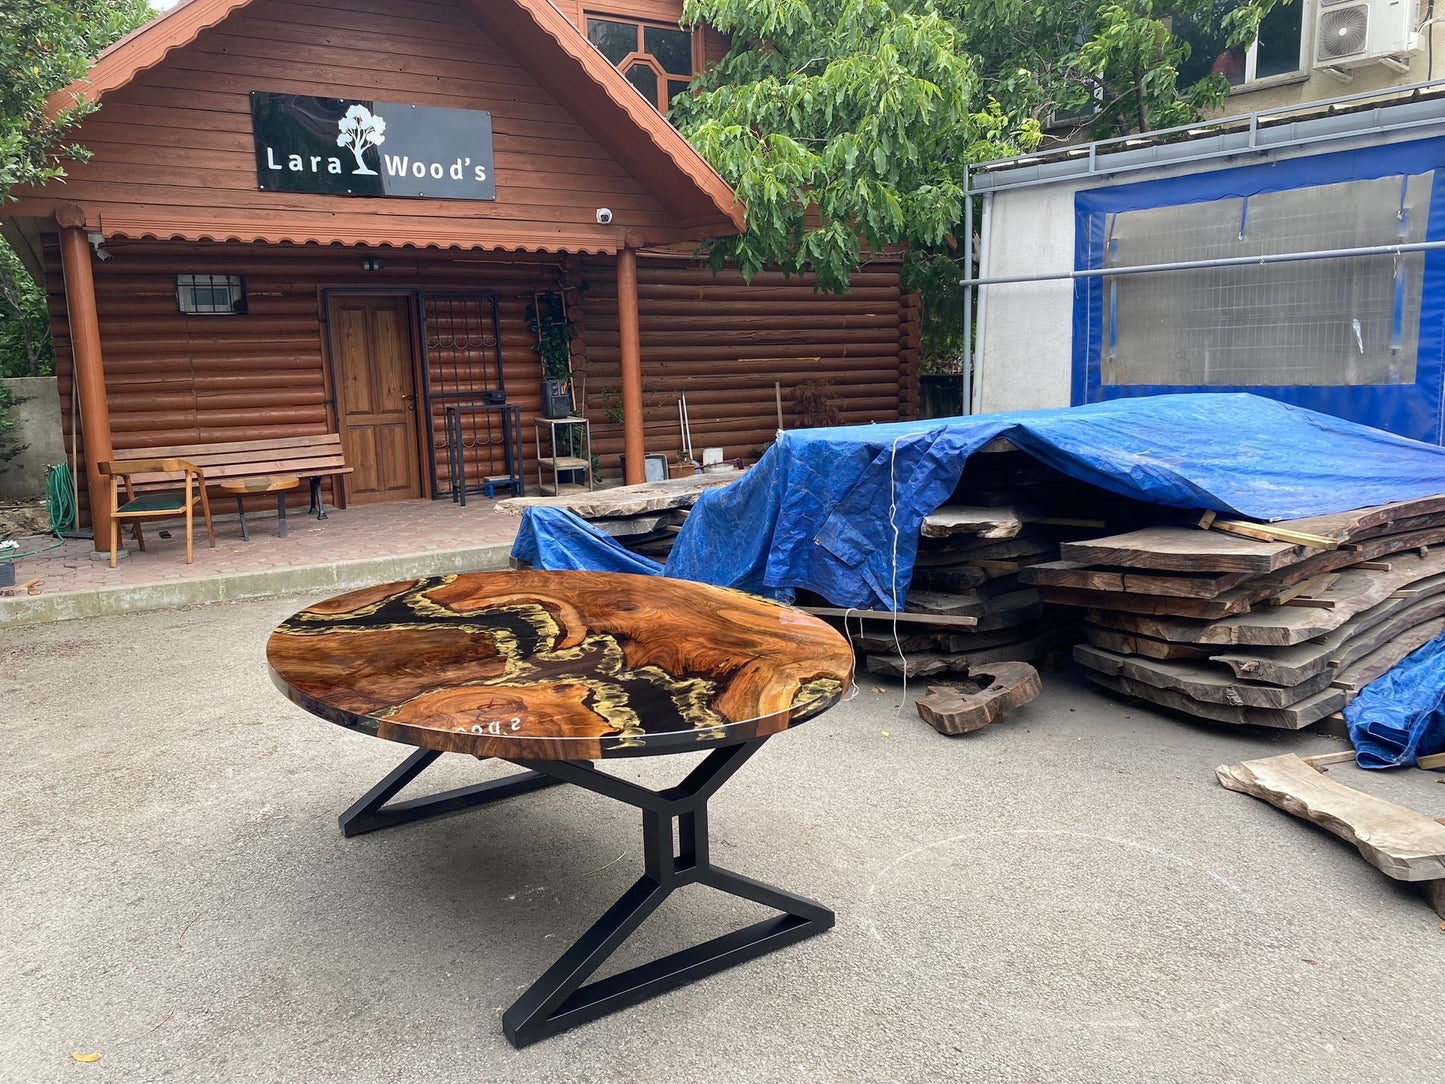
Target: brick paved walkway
361,532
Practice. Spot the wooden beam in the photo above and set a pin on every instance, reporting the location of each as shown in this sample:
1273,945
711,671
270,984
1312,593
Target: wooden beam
1265,532
89,375
627,322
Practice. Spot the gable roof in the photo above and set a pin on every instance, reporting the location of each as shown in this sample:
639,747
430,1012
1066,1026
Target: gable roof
542,40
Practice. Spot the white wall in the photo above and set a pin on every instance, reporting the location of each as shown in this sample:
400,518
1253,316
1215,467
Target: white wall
1026,329
37,418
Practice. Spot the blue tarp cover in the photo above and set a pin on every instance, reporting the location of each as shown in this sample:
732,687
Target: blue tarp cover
555,539
1412,407
837,511
1400,717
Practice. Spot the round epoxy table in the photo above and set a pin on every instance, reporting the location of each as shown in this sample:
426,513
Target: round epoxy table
551,671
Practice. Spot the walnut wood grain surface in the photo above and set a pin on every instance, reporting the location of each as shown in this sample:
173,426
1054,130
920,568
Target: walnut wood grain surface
559,665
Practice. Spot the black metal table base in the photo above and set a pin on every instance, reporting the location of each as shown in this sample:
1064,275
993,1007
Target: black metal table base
672,859
371,811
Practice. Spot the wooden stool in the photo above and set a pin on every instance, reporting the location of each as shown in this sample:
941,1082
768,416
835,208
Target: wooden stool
275,483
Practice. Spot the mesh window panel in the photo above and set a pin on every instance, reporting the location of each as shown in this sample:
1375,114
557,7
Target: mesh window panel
1344,321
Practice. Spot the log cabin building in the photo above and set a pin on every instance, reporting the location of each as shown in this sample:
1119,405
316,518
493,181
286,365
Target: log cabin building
337,216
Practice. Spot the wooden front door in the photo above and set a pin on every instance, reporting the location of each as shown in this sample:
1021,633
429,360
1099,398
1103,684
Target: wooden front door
371,341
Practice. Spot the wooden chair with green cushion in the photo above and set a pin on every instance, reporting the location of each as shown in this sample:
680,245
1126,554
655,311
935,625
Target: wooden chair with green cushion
152,502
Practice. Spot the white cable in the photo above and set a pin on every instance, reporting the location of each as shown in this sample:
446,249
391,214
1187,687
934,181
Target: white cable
893,522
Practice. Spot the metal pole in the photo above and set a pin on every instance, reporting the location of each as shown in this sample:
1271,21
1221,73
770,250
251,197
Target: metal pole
1226,261
985,258
967,379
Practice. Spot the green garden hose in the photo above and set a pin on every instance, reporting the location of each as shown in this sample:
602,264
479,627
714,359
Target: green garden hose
60,503
60,499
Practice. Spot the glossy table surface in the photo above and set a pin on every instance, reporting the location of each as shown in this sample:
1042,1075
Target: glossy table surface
268,484
559,665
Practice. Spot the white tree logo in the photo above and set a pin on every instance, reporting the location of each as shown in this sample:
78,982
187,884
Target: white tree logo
361,128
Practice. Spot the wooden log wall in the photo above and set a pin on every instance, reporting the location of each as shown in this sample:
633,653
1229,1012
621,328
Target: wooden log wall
178,379
725,343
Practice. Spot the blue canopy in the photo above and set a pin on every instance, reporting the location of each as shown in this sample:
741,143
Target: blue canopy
837,511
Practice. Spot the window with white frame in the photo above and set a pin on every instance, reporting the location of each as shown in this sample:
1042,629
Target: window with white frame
211,295
1278,50
1342,320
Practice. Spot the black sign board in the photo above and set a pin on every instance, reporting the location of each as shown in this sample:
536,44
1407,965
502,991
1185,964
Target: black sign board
347,147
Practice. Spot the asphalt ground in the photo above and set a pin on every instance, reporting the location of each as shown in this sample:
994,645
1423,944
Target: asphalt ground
1066,896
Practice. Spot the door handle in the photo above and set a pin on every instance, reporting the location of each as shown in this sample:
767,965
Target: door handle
410,401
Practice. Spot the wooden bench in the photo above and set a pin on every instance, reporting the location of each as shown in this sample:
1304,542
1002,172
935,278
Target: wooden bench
312,458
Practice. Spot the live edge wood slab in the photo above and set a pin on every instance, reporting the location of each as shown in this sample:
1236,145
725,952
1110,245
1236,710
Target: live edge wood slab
559,665
1400,842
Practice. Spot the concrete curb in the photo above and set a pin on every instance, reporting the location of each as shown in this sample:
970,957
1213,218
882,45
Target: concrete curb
340,576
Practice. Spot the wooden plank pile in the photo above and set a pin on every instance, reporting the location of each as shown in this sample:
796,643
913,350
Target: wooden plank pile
968,605
1281,628
1275,625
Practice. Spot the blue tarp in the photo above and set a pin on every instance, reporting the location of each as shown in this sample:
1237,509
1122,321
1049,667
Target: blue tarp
555,539
1400,717
837,511
1411,408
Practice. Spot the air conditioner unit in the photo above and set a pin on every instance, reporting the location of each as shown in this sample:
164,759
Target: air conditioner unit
1353,32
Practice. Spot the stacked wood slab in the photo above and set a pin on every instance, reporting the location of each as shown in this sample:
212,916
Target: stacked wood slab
1278,633
967,605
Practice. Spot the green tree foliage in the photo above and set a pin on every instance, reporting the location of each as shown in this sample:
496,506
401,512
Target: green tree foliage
844,126
45,44
1118,64
25,348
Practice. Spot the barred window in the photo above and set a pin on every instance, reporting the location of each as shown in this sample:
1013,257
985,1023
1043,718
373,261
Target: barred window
211,295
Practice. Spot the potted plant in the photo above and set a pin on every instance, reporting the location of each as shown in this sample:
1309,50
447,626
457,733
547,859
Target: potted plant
547,317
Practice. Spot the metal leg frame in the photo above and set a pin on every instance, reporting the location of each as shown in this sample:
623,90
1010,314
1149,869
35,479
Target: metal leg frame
371,811
559,1000
671,860
241,515
316,505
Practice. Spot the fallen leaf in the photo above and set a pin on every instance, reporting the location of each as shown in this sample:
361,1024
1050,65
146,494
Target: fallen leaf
885,733
879,689
78,1056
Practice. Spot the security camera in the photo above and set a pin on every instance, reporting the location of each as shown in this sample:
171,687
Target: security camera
96,239
604,216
